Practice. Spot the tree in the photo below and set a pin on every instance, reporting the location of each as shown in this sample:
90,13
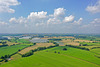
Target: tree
6,60
64,49
58,52
55,52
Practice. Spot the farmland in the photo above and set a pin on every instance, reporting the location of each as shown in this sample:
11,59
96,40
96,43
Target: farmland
50,59
39,51
35,46
11,49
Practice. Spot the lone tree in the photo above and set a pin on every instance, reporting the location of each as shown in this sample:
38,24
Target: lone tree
64,49
55,52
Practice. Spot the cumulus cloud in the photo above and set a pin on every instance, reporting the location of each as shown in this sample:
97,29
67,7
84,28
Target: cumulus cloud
59,13
41,21
36,15
78,22
41,18
69,18
20,20
53,21
5,5
3,23
94,8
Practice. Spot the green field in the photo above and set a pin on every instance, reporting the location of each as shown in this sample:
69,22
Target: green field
20,41
78,53
10,49
72,57
91,44
46,59
97,50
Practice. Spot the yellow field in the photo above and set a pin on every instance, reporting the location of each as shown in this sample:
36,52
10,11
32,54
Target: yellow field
69,42
58,37
15,57
34,47
82,40
10,43
89,46
0,43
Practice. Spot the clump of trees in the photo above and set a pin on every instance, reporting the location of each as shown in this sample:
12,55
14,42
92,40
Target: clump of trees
4,58
83,48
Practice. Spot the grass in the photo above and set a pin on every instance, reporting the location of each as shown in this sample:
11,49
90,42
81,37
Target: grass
97,50
21,41
91,44
16,57
78,53
89,47
10,49
47,59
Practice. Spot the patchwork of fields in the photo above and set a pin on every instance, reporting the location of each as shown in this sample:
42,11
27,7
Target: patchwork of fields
34,47
53,56
11,49
51,59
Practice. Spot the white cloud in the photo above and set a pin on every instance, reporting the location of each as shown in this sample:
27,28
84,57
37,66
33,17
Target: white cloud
95,21
20,20
2,23
39,15
5,5
12,19
78,22
40,21
68,19
53,21
41,18
59,13
94,8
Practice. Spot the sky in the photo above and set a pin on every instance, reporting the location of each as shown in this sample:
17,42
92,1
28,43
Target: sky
50,16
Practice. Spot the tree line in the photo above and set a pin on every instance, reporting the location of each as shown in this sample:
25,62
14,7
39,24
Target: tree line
83,48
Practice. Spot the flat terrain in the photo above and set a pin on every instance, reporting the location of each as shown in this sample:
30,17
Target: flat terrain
34,47
69,42
47,59
79,40
10,49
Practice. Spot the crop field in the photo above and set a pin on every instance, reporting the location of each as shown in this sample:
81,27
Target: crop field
50,59
97,51
16,56
91,44
69,42
34,47
0,43
78,53
90,47
10,49
10,43
79,40
21,41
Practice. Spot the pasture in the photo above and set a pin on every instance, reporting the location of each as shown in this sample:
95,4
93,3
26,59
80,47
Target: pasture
48,59
78,53
11,49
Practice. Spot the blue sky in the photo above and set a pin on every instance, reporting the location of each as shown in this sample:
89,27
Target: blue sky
49,16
